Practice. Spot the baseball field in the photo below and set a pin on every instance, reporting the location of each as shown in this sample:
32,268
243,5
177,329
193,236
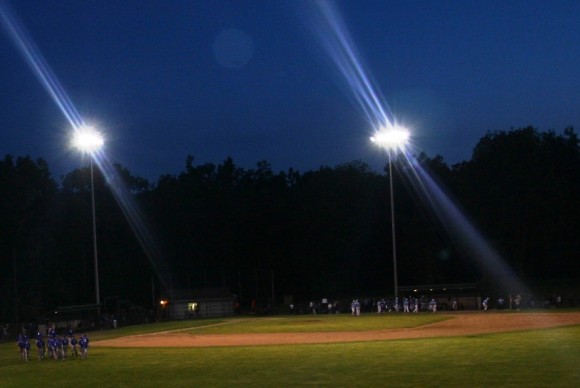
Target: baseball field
472,349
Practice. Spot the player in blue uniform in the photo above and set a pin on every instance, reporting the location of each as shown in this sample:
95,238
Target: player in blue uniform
52,347
64,343
73,346
24,346
27,345
58,346
49,347
40,347
84,345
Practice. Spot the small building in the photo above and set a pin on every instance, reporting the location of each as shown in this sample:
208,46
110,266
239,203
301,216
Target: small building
206,303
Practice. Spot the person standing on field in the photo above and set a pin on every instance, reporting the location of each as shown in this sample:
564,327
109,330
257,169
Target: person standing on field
84,345
485,304
433,305
73,347
40,347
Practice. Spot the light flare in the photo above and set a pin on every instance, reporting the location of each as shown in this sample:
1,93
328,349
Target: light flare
136,219
85,138
391,138
459,227
31,54
331,32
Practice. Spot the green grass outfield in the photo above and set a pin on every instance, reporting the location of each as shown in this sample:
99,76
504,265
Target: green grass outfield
538,358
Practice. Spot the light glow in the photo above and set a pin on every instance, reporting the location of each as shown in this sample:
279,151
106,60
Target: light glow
87,139
391,138
333,36
33,57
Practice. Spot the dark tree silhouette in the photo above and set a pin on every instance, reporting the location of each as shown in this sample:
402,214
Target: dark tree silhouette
322,233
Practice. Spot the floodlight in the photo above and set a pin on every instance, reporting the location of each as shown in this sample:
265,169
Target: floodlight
87,139
391,138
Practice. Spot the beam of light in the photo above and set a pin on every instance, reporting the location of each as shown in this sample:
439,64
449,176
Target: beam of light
89,141
333,36
134,215
467,237
40,68
458,226
85,138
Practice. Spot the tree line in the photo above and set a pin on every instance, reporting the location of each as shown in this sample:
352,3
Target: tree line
264,234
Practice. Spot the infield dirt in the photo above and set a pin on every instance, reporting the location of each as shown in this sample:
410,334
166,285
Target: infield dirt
459,324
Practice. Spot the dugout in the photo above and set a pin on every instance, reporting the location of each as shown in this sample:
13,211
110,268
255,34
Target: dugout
205,303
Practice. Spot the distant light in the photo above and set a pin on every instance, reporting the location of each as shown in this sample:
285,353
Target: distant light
163,302
391,137
87,139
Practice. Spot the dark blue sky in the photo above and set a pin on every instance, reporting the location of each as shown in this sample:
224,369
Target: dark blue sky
247,79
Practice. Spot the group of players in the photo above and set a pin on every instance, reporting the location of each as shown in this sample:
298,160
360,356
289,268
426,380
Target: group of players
56,347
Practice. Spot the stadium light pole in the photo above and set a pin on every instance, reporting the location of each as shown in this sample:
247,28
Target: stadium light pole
392,139
89,141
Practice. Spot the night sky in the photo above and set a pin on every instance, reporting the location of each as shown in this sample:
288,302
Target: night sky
248,79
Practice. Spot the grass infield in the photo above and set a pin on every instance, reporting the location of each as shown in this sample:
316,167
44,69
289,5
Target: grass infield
536,358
